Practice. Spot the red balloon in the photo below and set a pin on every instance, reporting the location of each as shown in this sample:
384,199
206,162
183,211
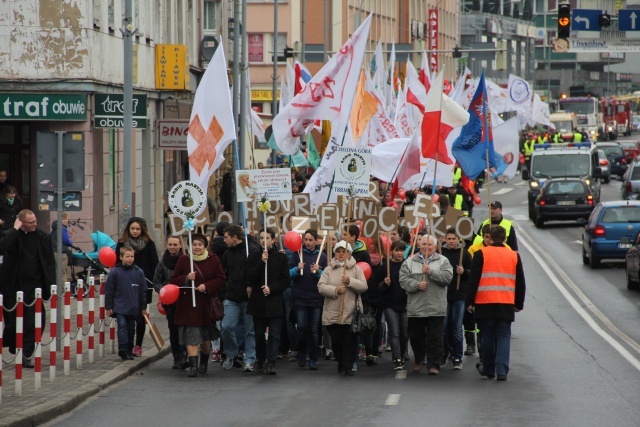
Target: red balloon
161,309
368,241
436,197
169,294
402,194
477,200
293,241
386,244
366,269
107,257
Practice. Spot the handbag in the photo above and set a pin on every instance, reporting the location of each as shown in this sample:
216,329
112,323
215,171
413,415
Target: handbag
216,309
365,322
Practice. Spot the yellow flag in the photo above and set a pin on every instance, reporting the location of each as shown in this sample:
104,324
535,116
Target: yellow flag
365,106
326,137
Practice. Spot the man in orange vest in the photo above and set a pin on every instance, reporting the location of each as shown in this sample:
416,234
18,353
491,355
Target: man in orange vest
495,293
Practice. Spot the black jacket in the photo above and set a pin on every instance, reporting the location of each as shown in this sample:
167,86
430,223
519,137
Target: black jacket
236,269
9,213
453,255
278,280
218,246
393,296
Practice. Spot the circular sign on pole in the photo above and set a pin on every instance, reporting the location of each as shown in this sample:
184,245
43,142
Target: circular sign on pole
187,199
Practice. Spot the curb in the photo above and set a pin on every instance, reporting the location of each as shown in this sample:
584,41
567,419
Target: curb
45,412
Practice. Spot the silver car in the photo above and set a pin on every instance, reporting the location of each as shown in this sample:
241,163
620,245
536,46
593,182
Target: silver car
631,182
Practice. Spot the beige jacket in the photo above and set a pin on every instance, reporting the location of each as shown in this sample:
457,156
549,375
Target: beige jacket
328,285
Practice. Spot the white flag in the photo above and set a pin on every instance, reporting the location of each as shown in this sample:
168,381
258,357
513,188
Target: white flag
519,94
211,128
540,111
506,144
328,95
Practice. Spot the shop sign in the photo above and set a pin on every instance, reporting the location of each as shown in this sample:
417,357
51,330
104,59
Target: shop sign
43,106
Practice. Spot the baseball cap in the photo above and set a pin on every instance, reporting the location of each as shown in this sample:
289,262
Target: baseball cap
496,204
344,245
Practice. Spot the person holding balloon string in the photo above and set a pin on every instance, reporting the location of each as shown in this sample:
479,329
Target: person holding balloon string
196,327
136,235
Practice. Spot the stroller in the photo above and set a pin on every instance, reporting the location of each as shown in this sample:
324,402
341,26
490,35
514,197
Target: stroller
88,261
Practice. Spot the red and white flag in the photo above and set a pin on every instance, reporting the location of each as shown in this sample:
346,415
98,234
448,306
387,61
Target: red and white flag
441,116
211,128
416,92
425,74
329,94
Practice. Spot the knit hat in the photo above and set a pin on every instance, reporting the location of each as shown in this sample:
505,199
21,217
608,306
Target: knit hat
344,245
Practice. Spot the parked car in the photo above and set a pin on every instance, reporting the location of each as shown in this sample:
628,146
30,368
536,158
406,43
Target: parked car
604,165
631,150
615,156
563,199
635,123
632,264
631,182
608,225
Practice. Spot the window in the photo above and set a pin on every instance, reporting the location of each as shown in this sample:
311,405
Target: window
256,47
111,13
211,11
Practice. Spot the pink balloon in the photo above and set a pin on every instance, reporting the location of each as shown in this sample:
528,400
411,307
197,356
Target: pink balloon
477,200
161,309
169,294
366,269
293,241
107,257
436,197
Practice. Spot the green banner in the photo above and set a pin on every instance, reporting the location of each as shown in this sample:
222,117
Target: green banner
43,106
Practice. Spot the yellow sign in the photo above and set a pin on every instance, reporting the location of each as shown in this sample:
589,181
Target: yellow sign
263,95
171,67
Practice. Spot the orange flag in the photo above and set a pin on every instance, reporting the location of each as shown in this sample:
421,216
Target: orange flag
365,106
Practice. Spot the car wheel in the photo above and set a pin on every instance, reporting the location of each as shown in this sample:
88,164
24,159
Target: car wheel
631,285
531,212
585,260
539,222
606,180
593,261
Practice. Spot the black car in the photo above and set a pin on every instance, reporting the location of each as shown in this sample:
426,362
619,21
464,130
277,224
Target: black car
632,263
616,157
563,199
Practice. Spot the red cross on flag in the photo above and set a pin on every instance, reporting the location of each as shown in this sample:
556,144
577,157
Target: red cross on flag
211,128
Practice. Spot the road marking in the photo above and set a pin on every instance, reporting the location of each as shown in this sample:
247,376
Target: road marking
525,202
586,302
518,217
577,242
401,374
502,191
521,183
392,400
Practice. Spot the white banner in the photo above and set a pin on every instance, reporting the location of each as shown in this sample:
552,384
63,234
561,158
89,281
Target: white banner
353,167
601,45
272,184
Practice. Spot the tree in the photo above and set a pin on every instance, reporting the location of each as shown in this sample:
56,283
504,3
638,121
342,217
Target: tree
527,10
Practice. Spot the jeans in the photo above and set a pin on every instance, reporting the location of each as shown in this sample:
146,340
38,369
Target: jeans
126,330
267,349
432,340
496,346
232,313
344,345
308,319
291,327
397,324
453,338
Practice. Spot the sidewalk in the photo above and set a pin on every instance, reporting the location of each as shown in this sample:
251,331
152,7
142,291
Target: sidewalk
67,392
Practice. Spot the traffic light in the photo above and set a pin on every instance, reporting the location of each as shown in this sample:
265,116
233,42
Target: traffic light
564,20
456,52
288,52
604,20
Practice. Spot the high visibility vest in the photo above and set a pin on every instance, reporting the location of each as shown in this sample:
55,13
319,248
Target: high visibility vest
457,176
577,137
458,202
498,280
556,138
505,223
528,148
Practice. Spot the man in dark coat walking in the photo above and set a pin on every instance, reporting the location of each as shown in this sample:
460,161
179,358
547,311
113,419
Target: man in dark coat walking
28,264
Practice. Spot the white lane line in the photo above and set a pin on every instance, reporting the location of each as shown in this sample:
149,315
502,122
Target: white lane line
585,301
401,375
392,400
521,183
502,191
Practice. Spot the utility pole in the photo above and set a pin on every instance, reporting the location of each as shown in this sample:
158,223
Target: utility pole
274,105
237,8
127,36
243,90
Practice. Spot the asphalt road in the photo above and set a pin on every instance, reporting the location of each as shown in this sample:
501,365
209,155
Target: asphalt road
575,361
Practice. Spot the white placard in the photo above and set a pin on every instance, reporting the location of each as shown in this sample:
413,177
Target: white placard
187,199
254,184
353,169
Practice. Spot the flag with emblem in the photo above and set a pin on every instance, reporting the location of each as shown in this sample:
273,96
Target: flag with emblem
211,128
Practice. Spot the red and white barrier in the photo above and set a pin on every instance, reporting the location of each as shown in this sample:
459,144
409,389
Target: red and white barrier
37,353
79,317
53,332
19,341
101,316
92,317
66,340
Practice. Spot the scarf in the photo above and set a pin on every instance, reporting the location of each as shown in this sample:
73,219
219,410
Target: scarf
169,260
136,244
200,257
10,201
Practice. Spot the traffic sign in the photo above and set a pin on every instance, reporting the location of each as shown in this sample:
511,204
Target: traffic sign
585,20
629,20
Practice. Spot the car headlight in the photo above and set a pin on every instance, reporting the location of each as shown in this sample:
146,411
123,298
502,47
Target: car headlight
609,128
593,132
587,181
534,185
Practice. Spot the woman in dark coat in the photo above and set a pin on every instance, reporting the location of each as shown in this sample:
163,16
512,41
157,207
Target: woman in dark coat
10,205
136,235
195,325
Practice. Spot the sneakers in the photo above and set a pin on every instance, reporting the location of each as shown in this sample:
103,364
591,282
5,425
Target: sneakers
137,351
248,367
470,351
398,365
433,371
328,355
302,360
228,363
215,357
313,365
355,367
293,356
371,360
271,370
501,378
457,364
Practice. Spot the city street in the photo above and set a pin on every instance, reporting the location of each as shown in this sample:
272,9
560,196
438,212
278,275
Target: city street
575,361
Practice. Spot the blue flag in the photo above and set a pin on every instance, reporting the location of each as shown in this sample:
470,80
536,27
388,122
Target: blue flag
476,137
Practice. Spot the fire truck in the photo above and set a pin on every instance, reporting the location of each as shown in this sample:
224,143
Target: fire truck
623,114
588,113
610,119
